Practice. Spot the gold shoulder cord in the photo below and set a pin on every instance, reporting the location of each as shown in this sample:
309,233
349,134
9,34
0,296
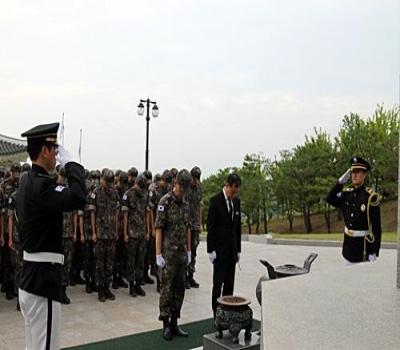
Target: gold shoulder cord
373,200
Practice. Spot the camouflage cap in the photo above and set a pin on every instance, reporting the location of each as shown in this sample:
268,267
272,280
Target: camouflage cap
166,176
93,174
196,172
86,173
15,167
148,175
133,172
123,177
183,178
141,180
157,177
174,172
26,167
108,175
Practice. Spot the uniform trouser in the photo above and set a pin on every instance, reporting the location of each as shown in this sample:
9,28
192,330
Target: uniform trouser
77,258
195,239
150,254
42,318
172,290
104,252
223,281
136,250
120,264
16,260
68,247
8,268
89,261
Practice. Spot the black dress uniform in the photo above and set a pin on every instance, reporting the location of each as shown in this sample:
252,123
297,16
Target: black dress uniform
361,214
40,203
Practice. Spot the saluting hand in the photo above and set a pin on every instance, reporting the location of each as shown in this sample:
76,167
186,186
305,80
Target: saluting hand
63,156
345,177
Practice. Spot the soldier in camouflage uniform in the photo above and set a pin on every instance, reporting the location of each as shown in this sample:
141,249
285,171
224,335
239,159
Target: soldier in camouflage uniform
132,174
136,233
104,206
194,198
173,249
156,192
120,248
13,244
8,187
84,221
69,236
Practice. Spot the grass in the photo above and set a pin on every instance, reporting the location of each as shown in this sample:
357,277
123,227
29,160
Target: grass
388,237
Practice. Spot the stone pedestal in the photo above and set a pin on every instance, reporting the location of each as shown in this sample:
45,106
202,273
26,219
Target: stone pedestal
211,342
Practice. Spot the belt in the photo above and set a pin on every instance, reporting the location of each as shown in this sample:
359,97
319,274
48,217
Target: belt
355,233
44,257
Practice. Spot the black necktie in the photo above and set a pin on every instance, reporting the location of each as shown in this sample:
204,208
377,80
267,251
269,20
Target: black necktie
230,208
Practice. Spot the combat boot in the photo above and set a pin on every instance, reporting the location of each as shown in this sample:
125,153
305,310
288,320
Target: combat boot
102,297
64,298
114,282
175,330
167,334
139,290
108,294
193,282
147,279
132,291
187,283
88,287
9,292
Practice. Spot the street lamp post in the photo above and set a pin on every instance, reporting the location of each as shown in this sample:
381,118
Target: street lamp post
154,112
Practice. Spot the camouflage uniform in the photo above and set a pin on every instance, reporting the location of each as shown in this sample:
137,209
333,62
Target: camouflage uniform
68,244
173,219
135,203
8,187
194,198
105,203
16,256
89,260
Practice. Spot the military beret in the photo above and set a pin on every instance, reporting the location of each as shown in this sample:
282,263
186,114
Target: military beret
359,163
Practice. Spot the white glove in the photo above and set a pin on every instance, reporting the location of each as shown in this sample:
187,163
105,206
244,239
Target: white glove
189,257
371,257
345,177
212,256
160,261
63,156
238,256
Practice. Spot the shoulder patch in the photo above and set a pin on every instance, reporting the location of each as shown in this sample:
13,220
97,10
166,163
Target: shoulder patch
93,195
59,188
125,196
160,208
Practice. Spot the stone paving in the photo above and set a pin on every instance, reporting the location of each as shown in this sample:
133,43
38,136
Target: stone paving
86,320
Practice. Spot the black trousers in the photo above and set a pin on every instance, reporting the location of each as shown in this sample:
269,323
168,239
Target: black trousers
223,281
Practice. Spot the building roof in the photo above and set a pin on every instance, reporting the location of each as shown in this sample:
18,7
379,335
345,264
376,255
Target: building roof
11,145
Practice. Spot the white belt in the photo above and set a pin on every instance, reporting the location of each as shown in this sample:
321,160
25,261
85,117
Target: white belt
355,233
44,257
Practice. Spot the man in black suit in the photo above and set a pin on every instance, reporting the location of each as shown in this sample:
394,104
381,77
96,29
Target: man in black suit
224,237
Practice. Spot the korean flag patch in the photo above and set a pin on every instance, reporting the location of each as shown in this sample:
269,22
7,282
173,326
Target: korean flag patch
160,208
59,188
125,197
93,195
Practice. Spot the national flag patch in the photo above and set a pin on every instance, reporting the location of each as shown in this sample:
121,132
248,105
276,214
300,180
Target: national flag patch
160,208
59,188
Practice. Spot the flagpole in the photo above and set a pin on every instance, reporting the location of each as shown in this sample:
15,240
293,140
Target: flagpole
80,146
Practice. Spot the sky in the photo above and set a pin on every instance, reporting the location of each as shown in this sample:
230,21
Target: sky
229,77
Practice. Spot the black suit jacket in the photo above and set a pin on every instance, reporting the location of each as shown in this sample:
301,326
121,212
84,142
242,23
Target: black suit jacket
224,234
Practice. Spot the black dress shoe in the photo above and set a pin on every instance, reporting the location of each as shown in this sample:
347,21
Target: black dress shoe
167,334
193,283
122,283
101,296
139,290
108,294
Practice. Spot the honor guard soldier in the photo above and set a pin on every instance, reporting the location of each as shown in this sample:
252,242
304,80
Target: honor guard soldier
173,252
360,208
40,203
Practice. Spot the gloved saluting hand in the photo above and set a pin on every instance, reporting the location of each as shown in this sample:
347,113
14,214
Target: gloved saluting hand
63,156
345,177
